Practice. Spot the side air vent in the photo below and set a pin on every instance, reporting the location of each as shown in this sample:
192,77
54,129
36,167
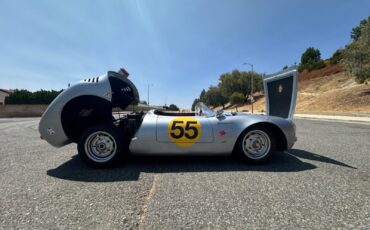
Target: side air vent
126,89
92,80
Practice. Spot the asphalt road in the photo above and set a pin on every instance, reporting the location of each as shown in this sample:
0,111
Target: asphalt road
323,183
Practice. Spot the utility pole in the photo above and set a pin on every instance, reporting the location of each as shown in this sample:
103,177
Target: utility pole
149,85
252,99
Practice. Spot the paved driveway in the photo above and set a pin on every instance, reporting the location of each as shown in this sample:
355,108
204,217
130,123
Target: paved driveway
324,182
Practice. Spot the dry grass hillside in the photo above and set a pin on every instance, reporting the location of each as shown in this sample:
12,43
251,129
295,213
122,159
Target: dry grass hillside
326,91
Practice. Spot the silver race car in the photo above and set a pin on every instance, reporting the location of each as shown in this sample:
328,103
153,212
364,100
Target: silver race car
83,114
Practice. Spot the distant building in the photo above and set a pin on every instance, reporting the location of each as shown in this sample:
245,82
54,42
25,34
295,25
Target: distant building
3,94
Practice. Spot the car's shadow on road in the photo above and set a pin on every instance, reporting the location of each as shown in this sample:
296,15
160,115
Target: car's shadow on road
288,161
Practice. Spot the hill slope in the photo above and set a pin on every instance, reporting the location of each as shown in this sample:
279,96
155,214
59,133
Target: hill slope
326,94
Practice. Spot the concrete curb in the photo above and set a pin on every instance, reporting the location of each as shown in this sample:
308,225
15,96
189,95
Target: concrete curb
334,118
329,117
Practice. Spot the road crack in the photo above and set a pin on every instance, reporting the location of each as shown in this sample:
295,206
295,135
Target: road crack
147,200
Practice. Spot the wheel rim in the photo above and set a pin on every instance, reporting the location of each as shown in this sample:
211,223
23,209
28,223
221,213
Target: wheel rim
100,146
256,144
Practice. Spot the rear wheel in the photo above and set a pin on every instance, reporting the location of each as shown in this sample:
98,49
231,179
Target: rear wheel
101,146
256,145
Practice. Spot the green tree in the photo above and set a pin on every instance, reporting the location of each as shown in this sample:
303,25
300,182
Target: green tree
356,57
229,83
173,107
310,55
195,102
311,60
356,32
237,81
337,57
237,99
202,94
219,98
245,82
214,97
285,67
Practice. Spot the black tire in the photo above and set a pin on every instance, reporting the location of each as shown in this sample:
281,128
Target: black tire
101,146
249,155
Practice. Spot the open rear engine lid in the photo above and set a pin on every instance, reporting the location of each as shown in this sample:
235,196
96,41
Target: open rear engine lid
281,93
124,92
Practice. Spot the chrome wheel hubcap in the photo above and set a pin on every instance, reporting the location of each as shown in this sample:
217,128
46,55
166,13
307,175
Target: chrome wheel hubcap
100,146
256,144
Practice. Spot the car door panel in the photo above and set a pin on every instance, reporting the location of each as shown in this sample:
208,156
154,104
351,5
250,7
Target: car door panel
184,130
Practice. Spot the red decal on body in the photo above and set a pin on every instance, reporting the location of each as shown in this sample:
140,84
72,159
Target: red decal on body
222,133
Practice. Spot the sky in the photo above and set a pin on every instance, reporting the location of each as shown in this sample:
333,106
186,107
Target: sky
179,47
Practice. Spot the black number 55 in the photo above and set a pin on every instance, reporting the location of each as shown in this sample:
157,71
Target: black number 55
190,131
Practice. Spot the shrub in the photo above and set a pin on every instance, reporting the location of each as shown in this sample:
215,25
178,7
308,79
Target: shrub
328,70
23,96
236,99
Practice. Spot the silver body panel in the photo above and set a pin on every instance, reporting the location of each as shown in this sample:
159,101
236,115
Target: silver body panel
209,133
219,134
50,126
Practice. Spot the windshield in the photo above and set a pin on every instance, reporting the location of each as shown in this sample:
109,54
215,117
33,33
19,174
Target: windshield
202,110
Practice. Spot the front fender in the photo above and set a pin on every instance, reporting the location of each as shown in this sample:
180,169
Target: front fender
228,129
51,127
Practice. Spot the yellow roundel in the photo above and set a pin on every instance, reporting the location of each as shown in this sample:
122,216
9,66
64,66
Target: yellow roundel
184,131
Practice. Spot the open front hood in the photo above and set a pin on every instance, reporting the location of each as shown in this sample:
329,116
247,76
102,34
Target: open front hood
281,93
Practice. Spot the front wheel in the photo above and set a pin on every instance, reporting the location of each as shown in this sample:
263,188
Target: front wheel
256,145
101,146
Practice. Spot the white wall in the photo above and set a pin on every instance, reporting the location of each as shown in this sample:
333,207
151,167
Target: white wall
22,110
2,97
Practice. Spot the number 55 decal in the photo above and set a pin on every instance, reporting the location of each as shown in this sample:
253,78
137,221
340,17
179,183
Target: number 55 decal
184,131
